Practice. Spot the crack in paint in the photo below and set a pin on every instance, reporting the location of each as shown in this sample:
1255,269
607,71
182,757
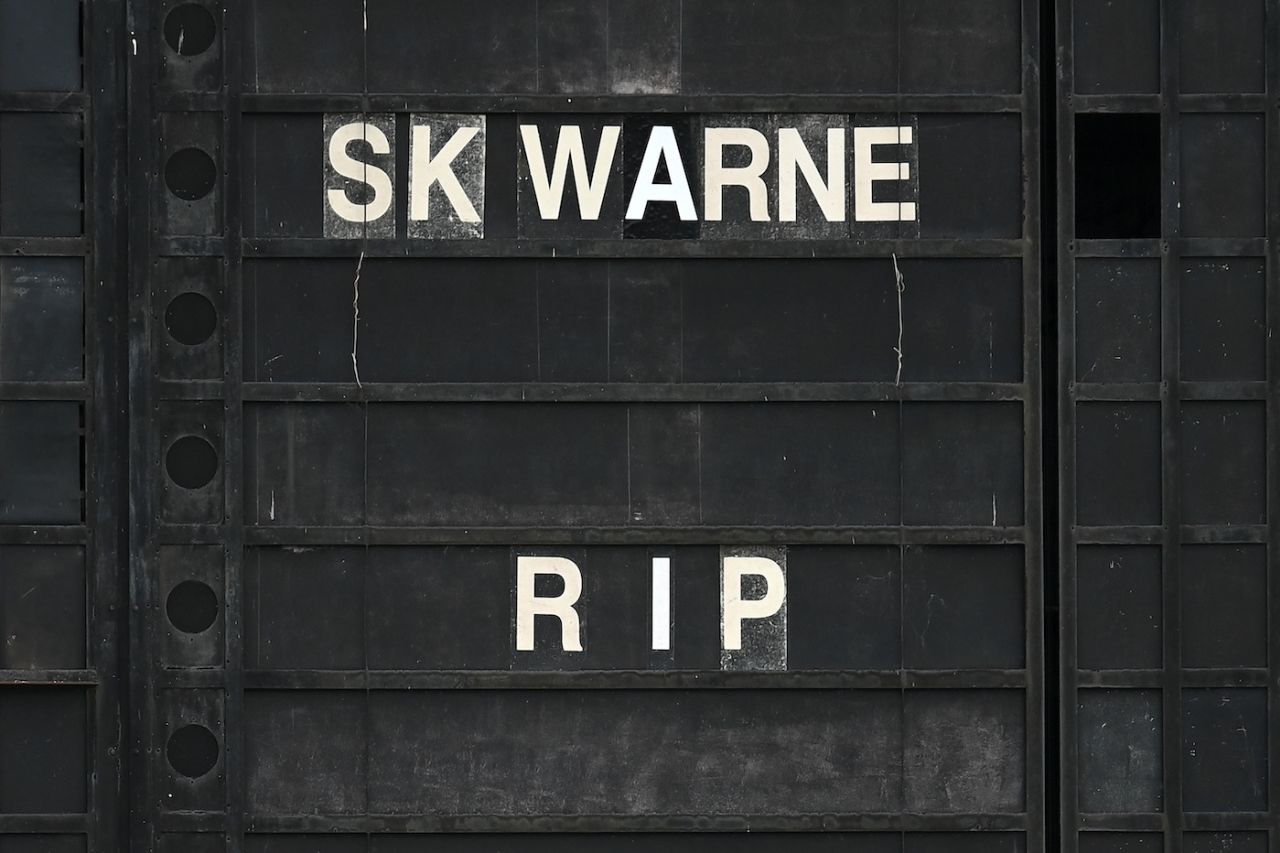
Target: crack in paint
355,320
901,286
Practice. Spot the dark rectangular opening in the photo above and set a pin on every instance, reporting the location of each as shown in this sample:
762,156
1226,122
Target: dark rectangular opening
1117,176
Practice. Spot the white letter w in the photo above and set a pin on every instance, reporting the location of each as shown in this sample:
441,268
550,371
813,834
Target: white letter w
569,150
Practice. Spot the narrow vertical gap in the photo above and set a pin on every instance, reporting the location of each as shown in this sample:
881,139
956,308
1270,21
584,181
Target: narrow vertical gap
87,504
1050,434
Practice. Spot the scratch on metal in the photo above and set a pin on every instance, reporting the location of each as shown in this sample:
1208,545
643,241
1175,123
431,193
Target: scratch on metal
355,320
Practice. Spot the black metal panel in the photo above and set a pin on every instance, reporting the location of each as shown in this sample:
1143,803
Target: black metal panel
40,46
1168,424
666,320
62,504
41,319
41,170
400,414
345,437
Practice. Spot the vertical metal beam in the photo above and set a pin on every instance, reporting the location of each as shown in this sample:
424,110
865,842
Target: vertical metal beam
235,25
1032,444
364,438
106,497
1272,119
1170,425
1068,772
140,160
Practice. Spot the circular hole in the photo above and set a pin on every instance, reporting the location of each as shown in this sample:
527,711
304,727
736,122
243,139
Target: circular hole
191,607
190,174
191,318
191,462
190,29
192,751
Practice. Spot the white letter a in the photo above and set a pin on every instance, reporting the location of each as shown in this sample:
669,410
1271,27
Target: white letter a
662,144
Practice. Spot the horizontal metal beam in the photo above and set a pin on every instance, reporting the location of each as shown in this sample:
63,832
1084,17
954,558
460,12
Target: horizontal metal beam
423,679
42,824
1154,678
618,392
1191,534
269,535
273,102
51,677
43,102
319,247
1236,102
1192,821
70,391
51,247
43,534
1128,392
892,822
1152,247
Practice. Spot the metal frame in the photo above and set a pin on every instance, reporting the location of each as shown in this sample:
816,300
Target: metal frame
235,534
1034,455
142,713
118,241
103,20
115,248
100,395
1171,534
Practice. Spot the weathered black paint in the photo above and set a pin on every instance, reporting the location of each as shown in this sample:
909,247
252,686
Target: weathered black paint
1168,426
62,427
322,532
674,449
390,478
